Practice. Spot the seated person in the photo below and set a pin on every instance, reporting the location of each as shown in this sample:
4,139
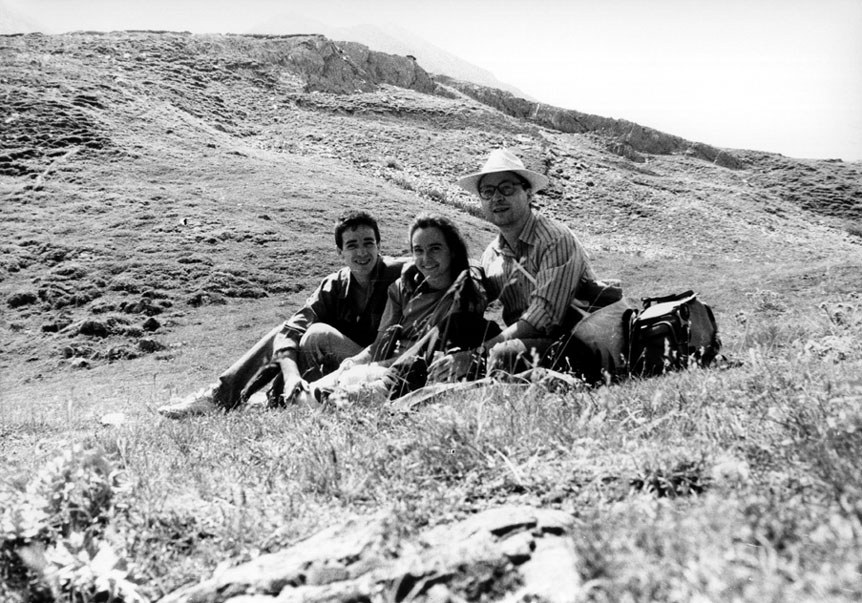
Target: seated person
436,304
535,266
337,321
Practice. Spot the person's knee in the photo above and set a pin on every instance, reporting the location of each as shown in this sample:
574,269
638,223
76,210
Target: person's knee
323,347
318,338
317,345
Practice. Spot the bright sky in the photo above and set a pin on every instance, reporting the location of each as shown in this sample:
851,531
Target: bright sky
773,75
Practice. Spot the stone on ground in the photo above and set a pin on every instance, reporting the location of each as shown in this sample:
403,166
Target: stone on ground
507,554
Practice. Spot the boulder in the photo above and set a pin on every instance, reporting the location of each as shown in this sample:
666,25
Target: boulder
510,553
151,324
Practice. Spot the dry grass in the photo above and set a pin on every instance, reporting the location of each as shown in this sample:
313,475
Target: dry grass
736,483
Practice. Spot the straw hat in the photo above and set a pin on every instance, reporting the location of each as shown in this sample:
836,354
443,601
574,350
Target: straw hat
503,160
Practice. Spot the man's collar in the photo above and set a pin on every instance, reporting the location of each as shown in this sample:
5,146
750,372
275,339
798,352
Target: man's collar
377,271
349,280
524,237
529,229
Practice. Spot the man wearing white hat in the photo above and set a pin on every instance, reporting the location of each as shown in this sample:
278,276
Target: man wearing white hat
536,266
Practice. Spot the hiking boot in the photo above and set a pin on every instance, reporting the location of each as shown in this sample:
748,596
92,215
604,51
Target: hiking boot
198,403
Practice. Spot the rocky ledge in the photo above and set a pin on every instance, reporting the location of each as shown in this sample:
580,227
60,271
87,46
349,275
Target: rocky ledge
510,553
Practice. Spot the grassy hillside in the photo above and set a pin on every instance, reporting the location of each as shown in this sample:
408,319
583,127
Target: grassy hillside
193,180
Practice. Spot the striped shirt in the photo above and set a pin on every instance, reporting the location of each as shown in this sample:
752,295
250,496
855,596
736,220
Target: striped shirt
556,262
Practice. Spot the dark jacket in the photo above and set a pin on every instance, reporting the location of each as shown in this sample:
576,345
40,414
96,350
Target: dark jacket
331,304
413,310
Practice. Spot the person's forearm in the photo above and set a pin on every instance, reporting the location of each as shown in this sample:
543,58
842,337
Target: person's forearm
286,340
518,330
288,364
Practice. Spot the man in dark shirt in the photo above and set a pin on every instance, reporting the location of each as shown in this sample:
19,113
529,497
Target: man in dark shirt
337,321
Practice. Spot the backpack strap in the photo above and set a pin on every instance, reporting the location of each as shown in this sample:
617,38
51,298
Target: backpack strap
673,297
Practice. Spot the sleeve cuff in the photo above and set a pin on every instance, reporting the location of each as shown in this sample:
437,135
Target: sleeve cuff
288,351
538,317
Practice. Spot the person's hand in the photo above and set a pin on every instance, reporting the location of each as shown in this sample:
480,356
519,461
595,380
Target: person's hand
346,365
295,389
450,367
502,355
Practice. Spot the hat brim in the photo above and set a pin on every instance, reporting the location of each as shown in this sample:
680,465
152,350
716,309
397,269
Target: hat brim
470,183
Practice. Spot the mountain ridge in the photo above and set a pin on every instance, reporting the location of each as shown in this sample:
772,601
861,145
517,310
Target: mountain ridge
390,39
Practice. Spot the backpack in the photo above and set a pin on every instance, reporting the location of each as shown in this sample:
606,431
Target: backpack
670,333
621,340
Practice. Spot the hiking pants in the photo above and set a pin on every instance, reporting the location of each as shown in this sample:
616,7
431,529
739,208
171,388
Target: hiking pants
321,350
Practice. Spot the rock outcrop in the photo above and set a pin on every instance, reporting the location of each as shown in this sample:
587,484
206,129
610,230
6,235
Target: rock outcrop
625,138
511,553
337,67
403,72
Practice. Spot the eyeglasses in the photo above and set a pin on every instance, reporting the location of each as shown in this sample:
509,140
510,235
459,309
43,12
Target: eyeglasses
506,188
